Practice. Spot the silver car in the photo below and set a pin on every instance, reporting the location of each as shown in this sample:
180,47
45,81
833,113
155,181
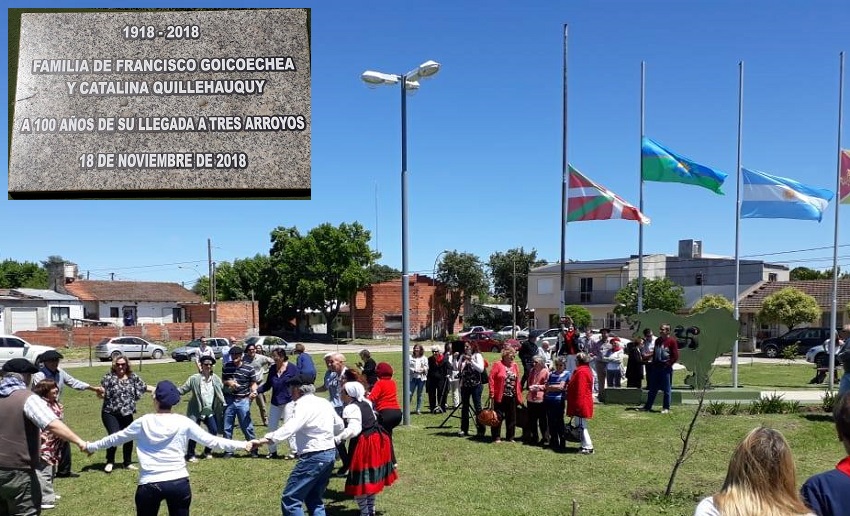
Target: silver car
130,347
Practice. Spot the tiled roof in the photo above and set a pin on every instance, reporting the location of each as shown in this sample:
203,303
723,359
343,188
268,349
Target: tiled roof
131,291
821,290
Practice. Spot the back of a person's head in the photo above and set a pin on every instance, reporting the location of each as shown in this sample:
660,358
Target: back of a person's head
841,415
761,479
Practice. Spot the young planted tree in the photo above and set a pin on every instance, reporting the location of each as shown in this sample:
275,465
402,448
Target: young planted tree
790,307
463,275
580,315
502,268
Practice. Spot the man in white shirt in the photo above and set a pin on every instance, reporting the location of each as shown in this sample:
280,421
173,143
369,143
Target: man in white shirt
314,424
204,350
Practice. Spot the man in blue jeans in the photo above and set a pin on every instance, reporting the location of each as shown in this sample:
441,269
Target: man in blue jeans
665,354
314,425
240,387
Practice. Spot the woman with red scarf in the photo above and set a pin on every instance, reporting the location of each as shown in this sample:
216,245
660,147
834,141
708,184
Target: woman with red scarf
580,399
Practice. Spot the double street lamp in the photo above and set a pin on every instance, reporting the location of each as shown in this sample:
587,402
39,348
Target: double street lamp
408,81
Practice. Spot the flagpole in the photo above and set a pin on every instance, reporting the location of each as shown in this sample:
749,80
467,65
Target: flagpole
833,318
738,224
640,202
565,172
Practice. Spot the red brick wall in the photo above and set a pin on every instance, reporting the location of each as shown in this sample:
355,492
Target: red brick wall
244,313
376,301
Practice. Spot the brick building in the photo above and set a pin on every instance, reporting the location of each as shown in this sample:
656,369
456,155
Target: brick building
377,309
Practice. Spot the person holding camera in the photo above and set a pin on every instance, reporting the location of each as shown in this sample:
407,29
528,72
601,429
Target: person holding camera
665,354
206,404
471,369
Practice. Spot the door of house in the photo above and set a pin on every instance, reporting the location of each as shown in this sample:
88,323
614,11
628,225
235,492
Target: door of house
24,319
130,315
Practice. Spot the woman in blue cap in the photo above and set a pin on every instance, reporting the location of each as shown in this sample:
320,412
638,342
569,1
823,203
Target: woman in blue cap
161,440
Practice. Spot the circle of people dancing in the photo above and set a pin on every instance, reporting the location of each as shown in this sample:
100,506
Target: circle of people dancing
362,409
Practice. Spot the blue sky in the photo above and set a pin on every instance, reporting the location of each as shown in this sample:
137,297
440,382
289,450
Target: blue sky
484,135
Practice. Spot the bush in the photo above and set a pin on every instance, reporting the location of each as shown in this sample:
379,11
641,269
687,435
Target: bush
789,352
716,408
829,399
735,408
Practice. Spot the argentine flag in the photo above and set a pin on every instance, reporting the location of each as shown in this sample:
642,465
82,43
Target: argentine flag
772,197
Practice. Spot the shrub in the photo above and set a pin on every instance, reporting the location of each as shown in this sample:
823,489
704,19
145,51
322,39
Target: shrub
772,404
789,352
829,399
716,408
790,407
734,408
756,407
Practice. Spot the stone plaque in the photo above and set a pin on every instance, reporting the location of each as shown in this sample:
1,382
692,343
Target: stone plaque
201,103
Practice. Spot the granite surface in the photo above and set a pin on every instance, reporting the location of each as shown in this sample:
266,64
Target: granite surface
149,102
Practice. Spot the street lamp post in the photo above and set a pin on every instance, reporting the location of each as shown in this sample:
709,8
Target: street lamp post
408,81
434,293
212,309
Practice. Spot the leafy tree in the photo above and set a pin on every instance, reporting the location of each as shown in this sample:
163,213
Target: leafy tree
580,315
379,273
790,307
319,270
463,275
660,293
805,273
248,278
712,301
14,274
501,266
487,317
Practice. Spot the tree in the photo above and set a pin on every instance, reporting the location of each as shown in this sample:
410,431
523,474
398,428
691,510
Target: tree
379,273
14,274
249,278
580,315
660,293
790,307
463,275
712,301
319,270
501,266
805,273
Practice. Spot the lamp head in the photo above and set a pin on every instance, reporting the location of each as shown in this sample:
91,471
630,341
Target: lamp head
373,78
428,69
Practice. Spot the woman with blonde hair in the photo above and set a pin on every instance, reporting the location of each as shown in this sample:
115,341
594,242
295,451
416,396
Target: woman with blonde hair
122,389
761,480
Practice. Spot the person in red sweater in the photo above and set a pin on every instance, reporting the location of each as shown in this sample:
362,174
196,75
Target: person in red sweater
506,393
580,399
384,398
666,354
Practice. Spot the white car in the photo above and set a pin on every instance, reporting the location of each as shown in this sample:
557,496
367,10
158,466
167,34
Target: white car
266,343
551,336
507,332
818,354
471,330
16,347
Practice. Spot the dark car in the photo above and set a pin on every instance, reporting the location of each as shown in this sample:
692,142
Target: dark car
803,338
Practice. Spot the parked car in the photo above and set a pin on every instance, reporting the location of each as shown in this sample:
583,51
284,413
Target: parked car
130,347
508,331
819,354
489,341
189,351
467,331
551,336
804,338
16,347
266,343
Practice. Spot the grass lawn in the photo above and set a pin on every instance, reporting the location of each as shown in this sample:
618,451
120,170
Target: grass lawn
440,473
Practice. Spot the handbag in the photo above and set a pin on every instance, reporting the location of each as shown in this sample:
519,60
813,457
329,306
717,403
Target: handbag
488,416
573,433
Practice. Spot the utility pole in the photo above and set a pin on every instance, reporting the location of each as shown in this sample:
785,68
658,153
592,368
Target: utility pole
513,299
211,289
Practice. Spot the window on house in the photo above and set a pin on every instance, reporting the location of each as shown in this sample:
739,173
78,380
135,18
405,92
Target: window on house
698,279
113,311
772,277
176,315
585,290
392,323
59,313
613,321
545,286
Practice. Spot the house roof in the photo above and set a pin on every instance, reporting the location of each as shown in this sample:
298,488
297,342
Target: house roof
821,290
609,263
46,294
150,291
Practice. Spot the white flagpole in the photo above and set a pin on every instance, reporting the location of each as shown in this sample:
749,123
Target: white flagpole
640,205
738,224
833,317
565,175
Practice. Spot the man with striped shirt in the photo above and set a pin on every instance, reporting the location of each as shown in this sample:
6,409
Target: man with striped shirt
240,387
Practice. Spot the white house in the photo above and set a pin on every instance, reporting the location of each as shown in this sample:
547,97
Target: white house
29,309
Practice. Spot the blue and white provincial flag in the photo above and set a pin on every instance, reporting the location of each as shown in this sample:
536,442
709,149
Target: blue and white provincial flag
772,197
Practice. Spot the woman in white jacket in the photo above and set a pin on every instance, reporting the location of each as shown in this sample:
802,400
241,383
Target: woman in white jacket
418,365
161,440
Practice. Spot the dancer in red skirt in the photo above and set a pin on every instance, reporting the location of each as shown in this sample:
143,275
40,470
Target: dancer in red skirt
370,449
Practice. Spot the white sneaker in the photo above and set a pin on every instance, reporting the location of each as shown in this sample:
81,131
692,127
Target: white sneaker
193,459
58,497
108,468
665,411
48,506
131,466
